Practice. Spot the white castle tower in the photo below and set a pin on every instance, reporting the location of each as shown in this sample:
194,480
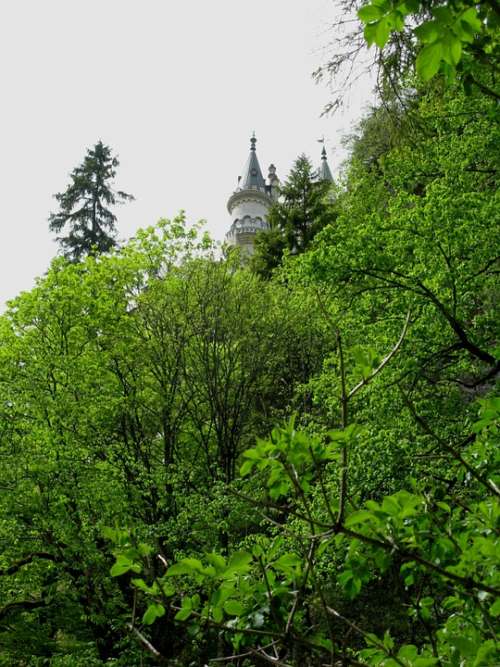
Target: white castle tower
249,204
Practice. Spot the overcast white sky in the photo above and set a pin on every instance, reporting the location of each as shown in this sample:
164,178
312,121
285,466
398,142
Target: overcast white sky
175,88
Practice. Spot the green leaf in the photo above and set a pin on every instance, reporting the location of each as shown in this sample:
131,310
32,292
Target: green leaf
185,610
151,590
471,17
388,641
350,583
233,608
185,566
123,565
390,506
409,7
246,468
252,454
257,550
240,561
183,614
466,646
370,13
109,533
370,33
429,60
428,32
153,612
217,561
217,614
452,49
408,652
443,14
288,563
358,517
495,608
398,22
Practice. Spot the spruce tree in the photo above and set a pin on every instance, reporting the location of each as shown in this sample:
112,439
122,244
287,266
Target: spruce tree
302,210
84,213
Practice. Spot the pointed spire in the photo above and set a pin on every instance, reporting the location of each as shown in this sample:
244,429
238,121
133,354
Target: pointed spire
252,178
324,171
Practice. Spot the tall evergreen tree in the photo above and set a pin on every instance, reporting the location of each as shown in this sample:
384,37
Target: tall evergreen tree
302,210
84,206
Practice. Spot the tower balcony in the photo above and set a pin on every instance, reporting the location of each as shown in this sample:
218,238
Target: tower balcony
243,231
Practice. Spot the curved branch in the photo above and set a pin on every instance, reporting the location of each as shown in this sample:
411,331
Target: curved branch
384,361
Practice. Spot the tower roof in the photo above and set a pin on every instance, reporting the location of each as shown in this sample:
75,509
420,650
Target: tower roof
251,178
324,171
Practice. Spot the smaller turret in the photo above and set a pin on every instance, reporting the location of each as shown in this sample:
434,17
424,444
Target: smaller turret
324,173
273,182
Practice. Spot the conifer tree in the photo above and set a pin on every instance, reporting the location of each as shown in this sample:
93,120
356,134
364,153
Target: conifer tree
84,212
302,210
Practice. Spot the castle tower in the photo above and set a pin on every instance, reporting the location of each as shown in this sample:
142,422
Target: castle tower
249,204
324,171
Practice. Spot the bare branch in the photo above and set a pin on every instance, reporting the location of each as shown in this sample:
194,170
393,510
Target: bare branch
144,641
384,361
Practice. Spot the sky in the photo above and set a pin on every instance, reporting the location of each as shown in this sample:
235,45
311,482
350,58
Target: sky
174,88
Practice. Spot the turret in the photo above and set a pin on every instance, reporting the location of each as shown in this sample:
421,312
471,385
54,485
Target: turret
249,204
324,173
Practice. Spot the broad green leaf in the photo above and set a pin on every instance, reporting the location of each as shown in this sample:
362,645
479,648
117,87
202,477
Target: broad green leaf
428,32
183,614
233,608
358,517
123,565
246,468
217,561
185,610
153,612
370,33
217,614
370,13
185,566
240,561
495,608
471,17
429,60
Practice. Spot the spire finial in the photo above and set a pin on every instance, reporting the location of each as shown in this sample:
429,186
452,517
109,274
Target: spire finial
253,141
323,153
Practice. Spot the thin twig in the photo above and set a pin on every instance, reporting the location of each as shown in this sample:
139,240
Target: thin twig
488,483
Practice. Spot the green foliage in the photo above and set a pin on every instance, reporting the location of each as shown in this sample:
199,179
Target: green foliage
450,36
84,206
130,384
